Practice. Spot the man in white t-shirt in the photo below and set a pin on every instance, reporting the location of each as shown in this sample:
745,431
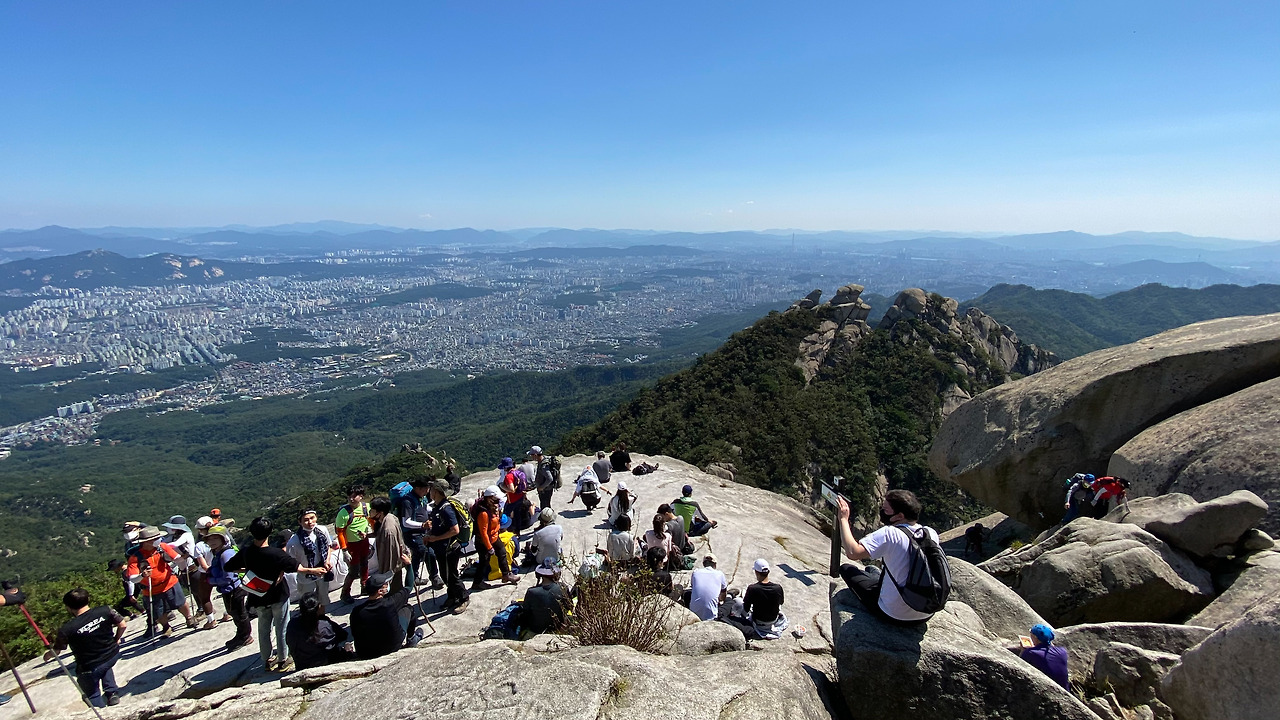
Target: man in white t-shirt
707,589
900,513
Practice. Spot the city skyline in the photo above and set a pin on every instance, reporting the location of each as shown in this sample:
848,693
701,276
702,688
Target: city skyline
993,117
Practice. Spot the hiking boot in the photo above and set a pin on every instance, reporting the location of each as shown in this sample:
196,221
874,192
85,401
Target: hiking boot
480,586
415,638
510,579
112,698
286,666
437,583
460,608
346,598
236,644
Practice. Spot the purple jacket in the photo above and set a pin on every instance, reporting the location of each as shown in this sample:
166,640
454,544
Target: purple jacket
1050,660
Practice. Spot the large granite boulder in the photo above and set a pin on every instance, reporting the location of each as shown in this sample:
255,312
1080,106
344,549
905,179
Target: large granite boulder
1146,509
1095,571
1229,444
1131,672
950,668
707,638
1003,612
1083,642
1232,674
1013,445
1259,582
1212,527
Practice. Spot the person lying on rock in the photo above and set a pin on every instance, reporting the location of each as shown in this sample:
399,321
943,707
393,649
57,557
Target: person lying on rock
900,514
1047,657
695,520
384,623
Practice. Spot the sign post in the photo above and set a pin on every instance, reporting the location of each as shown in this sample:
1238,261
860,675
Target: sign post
830,494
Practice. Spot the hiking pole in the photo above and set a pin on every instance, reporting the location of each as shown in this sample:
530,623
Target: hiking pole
421,611
22,686
49,647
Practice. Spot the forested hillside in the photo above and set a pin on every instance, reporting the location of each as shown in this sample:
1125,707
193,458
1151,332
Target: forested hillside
872,411
1072,324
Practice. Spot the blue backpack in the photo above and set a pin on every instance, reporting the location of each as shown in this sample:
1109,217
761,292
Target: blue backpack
506,624
398,493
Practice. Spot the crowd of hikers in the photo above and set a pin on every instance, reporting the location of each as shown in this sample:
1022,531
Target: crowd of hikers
418,536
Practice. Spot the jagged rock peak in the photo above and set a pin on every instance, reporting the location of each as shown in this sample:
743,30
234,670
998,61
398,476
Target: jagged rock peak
844,323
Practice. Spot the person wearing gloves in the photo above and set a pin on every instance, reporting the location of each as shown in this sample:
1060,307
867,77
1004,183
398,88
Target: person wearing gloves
488,528
150,568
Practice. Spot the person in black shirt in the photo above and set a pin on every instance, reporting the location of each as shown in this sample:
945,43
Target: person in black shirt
445,538
380,624
265,568
547,603
658,581
763,603
314,639
620,459
94,638
452,478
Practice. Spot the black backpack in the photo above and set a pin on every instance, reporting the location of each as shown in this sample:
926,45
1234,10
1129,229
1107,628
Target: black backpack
928,581
551,466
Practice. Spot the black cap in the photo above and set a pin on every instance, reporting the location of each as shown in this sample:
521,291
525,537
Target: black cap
376,582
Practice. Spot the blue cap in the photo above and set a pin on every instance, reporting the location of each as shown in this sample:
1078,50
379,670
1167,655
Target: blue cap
505,522
687,490
1042,632
506,464
1089,478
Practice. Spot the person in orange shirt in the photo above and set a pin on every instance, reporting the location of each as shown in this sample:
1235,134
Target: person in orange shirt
488,527
150,569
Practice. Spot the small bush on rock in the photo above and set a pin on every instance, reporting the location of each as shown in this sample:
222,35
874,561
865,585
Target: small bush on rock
615,610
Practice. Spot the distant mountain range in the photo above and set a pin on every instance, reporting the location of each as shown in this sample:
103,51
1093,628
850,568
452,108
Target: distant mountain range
1072,324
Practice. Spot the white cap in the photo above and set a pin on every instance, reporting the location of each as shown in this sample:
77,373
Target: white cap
622,484
761,566
204,523
492,491
535,450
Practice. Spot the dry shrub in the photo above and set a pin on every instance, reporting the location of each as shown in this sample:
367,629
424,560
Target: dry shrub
615,610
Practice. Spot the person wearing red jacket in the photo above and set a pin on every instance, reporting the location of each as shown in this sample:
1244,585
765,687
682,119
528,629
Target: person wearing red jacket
149,568
1106,489
487,528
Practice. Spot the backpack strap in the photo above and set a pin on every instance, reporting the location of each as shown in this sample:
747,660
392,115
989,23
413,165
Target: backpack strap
914,545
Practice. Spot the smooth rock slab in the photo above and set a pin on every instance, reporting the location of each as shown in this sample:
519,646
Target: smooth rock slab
1229,444
1003,612
707,638
1013,445
1232,674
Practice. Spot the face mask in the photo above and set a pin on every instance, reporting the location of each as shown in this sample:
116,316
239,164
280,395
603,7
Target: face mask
885,518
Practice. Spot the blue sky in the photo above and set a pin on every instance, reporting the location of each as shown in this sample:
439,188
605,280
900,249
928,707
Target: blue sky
1008,116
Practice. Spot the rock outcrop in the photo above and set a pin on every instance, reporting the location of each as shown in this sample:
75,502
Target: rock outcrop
1232,674
1131,673
1013,445
1003,612
1259,582
948,669
1096,571
1084,642
1228,444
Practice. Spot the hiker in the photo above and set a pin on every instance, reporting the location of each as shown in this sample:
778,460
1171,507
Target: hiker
623,550
94,637
504,466
623,505
588,488
620,459
1047,657
200,585
675,528
447,536
1079,489
412,509
602,467
547,538
658,581
315,640
225,522
390,553
352,529
973,539
547,478
235,599
381,624
762,604
184,541
515,485
128,605
488,526
900,514
695,520
1107,489
149,567
311,548
546,604
529,468
658,537
264,568
452,478
707,589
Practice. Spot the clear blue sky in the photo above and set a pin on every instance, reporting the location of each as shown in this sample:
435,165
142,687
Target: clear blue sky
1019,116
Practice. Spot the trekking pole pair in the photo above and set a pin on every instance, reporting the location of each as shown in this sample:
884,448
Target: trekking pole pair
49,647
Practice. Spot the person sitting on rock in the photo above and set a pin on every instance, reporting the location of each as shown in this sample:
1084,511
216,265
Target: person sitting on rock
547,538
315,640
384,623
658,537
658,581
675,528
973,539
623,504
762,604
1047,657
695,520
623,550
900,513
620,459
602,468
546,604
707,589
